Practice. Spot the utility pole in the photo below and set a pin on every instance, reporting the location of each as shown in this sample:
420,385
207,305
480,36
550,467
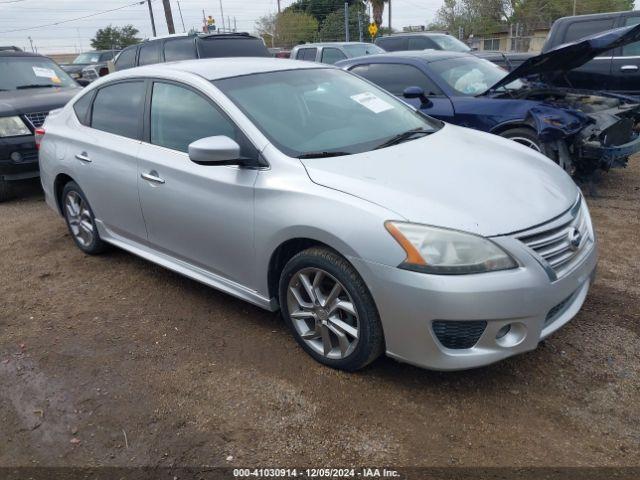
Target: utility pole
360,25
222,16
346,22
279,11
31,41
169,16
235,25
574,8
153,22
390,29
181,17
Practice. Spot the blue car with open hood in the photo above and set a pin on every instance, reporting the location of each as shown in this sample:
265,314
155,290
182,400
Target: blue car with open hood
584,131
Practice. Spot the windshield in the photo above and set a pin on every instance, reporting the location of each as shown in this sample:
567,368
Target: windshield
471,75
363,49
309,111
87,58
449,43
30,72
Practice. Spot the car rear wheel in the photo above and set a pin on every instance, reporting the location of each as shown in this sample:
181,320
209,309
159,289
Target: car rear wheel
80,220
6,191
524,136
330,310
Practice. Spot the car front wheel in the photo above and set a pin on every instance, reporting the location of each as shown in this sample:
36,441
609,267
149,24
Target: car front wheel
330,310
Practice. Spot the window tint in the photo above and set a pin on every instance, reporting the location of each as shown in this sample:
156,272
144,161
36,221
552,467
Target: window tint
82,107
117,108
180,116
180,49
579,30
633,49
421,43
105,57
332,55
127,59
149,53
392,44
231,47
308,54
396,77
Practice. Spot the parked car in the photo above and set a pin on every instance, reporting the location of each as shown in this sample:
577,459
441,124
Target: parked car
401,42
298,186
580,131
97,60
30,86
332,52
617,69
189,47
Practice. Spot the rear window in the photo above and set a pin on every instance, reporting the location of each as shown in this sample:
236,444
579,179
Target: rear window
231,47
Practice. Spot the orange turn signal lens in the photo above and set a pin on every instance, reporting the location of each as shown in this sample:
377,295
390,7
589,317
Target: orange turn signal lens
413,256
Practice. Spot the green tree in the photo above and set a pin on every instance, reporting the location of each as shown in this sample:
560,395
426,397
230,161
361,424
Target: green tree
115,37
266,28
320,9
292,28
332,29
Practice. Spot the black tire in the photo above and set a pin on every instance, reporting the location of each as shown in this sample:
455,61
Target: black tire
95,246
524,136
6,191
370,341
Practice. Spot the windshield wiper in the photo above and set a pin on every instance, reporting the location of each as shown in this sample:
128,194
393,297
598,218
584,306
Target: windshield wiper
322,154
36,85
403,137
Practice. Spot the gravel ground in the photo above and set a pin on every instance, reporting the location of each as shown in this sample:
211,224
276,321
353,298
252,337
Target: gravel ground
114,361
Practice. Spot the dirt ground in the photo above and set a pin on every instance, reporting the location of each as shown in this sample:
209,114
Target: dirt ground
114,361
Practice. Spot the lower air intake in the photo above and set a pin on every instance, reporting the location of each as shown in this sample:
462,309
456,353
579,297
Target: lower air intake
459,334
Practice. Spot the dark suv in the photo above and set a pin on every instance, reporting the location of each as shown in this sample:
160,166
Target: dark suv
191,47
98,58
400,42
30,87
617,70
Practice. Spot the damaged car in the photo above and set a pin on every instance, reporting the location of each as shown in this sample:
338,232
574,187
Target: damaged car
583,131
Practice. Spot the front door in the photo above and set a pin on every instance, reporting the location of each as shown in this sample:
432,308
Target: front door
625,67
200,214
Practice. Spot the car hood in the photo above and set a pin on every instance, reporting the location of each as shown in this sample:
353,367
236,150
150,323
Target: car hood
572,55
74,67
16,102
455,178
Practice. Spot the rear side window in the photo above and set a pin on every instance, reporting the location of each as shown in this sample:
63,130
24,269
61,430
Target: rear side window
149,54
579,30
118,109
180,49
633,49
127,59
231,47
392,44
82,108
395,78
308,54
332,55
421,43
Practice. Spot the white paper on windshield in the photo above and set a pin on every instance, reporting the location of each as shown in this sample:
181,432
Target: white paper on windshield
44,72
372,102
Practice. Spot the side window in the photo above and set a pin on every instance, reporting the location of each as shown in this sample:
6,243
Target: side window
149,53
82,107
308,54
127,59
332,55
393,44
633,49
180,116
395,78
578,30
180,49
117,109
421,43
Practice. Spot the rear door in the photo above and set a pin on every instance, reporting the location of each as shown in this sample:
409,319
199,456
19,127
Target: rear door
625,67
106,157
396,77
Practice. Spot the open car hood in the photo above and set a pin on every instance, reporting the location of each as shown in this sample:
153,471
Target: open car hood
572,55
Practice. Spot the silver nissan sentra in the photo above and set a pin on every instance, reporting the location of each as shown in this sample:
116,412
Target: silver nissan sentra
301,187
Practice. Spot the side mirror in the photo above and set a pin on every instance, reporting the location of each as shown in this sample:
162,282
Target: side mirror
219,150
417,92
83,82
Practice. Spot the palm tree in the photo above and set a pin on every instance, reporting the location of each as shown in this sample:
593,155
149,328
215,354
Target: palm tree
378,9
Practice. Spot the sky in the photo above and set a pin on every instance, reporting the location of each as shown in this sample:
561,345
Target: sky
21,19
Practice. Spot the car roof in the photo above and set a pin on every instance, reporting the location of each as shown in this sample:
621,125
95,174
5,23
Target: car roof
11,53
415,34
331,44
225,67
426,56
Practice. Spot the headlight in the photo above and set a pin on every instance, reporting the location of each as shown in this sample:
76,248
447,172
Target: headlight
447,252
13,127
75,75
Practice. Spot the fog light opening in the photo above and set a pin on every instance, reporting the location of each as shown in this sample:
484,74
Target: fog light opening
511,335
503,331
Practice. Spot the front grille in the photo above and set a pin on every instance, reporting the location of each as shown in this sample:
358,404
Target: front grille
560,244
37,119
90,74
458,335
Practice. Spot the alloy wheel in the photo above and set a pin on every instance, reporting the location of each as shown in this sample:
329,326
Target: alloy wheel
323,313
79,218
527,142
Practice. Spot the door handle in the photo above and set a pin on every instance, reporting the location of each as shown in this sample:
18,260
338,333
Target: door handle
83,157
152,177
629,68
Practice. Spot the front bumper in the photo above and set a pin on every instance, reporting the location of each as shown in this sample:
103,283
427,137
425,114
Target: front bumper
18,158
612,156
525,298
